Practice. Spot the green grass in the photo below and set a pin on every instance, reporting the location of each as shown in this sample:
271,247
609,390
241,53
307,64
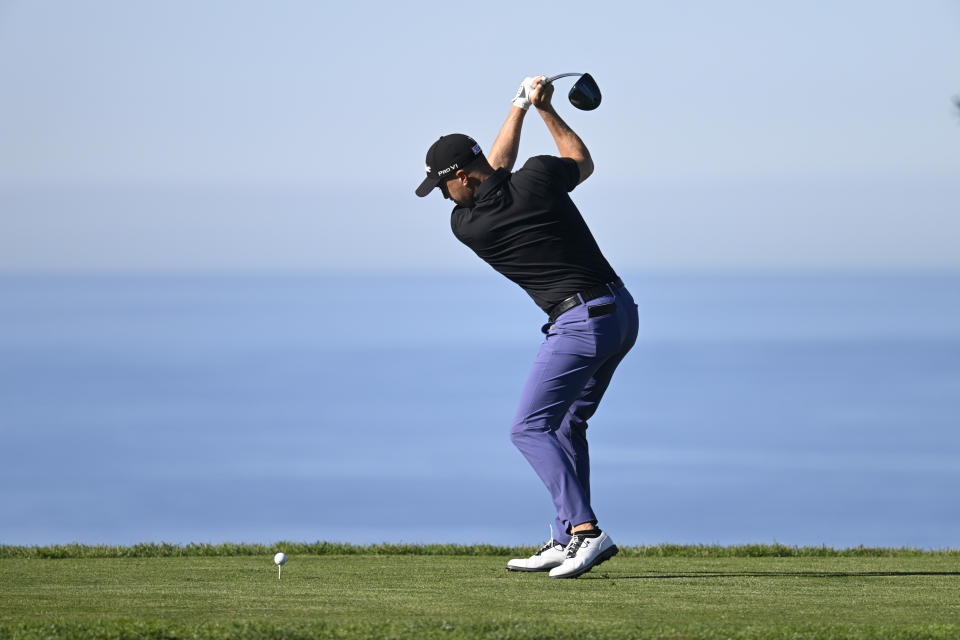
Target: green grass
167,550
400,591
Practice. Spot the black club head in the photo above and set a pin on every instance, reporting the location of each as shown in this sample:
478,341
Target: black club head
585,94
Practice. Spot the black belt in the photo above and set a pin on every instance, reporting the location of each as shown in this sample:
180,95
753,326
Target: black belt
584,296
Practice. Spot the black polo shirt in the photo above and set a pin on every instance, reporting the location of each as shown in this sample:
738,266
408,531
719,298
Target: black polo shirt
525,225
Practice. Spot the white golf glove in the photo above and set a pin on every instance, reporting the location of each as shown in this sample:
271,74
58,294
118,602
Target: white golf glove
522,99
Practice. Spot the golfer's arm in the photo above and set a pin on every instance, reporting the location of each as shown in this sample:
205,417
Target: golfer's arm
504,151
569,143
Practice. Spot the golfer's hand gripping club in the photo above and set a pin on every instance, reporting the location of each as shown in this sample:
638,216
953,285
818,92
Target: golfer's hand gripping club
522,99
542,93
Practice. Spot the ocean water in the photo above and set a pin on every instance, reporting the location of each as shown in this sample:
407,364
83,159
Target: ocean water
799,408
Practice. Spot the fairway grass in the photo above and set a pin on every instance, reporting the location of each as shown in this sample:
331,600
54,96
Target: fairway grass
380,595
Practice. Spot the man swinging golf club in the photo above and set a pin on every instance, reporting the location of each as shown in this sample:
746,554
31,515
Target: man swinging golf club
524,225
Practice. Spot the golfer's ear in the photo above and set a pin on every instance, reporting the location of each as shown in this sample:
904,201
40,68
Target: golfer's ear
463,177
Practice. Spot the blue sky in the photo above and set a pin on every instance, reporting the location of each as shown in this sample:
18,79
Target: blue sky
290,135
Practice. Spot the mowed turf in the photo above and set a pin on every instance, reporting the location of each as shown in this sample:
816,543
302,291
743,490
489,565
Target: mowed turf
449,596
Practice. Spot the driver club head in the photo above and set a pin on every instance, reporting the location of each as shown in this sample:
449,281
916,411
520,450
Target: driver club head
585,94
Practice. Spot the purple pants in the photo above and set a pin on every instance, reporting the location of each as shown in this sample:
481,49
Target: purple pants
572,370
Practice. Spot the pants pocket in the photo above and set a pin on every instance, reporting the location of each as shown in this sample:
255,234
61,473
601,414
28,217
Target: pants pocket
601,309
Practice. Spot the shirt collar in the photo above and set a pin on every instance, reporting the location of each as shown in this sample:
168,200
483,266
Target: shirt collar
488,189
491,185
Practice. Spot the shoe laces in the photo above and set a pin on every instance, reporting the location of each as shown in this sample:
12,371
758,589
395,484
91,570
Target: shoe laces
546,547
550,544
573,545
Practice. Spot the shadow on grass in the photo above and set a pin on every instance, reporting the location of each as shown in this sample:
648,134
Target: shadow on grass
771,574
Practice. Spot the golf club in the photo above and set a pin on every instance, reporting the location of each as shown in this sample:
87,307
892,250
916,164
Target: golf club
584,94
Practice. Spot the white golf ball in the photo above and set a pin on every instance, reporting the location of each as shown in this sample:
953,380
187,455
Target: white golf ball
280,558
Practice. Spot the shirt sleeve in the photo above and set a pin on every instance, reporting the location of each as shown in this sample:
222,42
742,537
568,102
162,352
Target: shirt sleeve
562,173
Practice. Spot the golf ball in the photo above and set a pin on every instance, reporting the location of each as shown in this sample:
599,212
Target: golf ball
280,558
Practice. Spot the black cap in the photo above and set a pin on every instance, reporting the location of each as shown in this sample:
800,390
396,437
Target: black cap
445,157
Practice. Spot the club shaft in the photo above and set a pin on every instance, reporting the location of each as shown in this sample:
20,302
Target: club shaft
562,75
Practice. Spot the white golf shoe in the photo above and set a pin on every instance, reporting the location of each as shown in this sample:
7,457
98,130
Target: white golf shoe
550,555
583,554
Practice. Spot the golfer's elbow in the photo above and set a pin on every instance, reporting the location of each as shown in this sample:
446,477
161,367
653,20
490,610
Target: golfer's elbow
586,167
501,161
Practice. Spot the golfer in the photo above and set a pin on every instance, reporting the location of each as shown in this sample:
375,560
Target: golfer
524,225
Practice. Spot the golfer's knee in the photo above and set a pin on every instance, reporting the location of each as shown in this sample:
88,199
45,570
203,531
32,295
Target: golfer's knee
525,430
522,430
517,433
